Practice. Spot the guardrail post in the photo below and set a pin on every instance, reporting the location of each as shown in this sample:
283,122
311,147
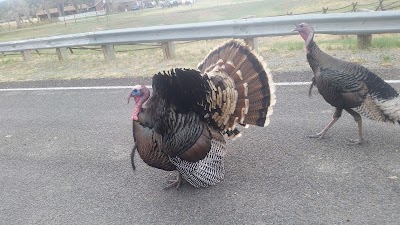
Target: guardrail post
26,55
168,49
62,53
364,41
108,51
380,6
354,6
252,43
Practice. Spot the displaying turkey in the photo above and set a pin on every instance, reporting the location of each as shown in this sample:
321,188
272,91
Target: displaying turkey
180,126
349,86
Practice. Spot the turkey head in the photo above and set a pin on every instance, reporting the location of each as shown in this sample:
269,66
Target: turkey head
140,93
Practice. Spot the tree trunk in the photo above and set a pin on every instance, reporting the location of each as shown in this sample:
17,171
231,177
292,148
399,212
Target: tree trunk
15,13
46,8
108,7
60,8
78,9
28,12
17,18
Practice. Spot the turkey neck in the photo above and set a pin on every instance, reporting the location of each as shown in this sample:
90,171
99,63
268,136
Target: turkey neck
152,114
317,58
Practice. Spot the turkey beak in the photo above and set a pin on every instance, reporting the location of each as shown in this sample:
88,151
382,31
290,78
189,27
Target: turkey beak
295,29
129,97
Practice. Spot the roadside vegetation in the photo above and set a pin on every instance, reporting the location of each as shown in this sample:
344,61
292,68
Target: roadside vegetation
145,60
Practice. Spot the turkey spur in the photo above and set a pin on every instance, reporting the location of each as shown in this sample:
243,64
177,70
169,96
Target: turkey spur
349,86
181,124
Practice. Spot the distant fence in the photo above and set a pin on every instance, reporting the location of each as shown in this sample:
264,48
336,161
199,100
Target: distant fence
82,15
378,5
363,24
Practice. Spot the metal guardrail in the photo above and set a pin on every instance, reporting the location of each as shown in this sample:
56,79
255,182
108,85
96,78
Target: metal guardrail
358,23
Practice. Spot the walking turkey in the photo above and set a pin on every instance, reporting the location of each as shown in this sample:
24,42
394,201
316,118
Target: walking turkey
349,86
180,126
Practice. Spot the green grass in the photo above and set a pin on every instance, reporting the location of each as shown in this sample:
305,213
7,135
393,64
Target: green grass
387,58
8,60
329,42
386,42
346,43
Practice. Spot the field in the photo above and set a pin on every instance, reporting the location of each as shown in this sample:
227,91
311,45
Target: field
134,60
202,11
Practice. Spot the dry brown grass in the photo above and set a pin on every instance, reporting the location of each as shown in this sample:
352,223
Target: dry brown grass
91,64
280,53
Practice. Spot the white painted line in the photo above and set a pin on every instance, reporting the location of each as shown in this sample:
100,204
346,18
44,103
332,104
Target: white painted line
148,86
308,83
67,88
292,83
393,81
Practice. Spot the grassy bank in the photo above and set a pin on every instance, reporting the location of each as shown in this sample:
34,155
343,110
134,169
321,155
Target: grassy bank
145,60
281,53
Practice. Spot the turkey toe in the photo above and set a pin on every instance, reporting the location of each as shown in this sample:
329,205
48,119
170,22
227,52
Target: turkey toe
174,183
317,135
356,141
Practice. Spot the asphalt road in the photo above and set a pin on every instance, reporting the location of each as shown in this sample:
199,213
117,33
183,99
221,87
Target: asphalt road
64,159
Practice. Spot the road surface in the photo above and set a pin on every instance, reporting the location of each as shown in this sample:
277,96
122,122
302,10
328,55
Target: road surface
64,159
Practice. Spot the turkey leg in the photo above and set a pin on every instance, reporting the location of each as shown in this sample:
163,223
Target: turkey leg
336,116
358,119
133,156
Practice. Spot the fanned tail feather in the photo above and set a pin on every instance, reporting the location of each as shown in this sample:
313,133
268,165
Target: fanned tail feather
384,110
382,102
391,108
252,78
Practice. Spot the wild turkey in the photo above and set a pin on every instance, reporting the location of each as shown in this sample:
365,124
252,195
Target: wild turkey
349,86
181,125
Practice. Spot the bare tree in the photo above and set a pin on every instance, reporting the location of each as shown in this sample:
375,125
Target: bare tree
75,3
108,7
15,9
60,7
3,11
45,6
31,8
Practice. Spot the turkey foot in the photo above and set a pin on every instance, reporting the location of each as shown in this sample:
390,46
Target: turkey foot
356,141
321,134
174,183
317,135
360,139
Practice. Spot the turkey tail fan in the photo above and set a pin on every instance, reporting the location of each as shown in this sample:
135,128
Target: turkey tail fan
384,110
382,102
252,78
